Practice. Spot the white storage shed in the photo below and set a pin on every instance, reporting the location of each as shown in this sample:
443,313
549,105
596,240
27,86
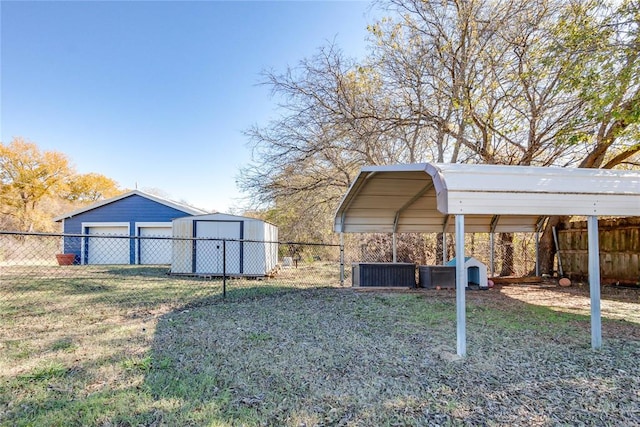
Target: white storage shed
220,243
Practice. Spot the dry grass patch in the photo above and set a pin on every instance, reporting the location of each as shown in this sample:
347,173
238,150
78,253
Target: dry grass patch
340,357
135,347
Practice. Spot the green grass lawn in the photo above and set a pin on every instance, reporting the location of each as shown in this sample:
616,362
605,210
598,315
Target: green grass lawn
133,346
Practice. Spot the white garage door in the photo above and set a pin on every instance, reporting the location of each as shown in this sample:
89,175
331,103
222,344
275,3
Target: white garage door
209,252
103,250
155,251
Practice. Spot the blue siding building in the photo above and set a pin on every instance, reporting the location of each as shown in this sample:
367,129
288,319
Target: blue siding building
132,214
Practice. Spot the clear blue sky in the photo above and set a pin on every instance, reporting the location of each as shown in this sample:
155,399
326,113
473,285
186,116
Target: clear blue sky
158,93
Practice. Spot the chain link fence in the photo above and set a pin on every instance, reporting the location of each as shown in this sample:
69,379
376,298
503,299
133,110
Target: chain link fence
152,270
512,254
79,299
41,271
149,270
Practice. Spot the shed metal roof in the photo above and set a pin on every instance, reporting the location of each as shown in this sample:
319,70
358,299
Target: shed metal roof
219,216
494,198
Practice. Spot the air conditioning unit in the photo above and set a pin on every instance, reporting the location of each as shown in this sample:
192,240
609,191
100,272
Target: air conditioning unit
431,276
399,274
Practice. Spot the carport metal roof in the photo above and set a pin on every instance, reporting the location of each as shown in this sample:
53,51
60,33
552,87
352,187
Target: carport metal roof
421,197
487,198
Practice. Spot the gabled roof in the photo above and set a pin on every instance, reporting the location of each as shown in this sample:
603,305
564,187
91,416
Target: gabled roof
422,197
175,205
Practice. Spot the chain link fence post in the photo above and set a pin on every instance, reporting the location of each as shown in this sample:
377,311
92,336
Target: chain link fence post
341,259
224,269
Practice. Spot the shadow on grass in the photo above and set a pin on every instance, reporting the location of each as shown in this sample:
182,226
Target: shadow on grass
290,357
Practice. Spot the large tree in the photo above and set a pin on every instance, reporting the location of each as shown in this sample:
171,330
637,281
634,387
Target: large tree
479,82
605,75
28,176
543,82
89,188
305,159
34,182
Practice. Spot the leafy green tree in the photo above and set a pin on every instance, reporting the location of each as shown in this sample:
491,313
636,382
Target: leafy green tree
605,75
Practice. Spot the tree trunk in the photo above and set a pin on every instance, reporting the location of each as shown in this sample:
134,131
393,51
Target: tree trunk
506,244
438,248
547,247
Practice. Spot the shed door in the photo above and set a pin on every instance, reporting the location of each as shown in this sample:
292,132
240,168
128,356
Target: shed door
103,250
154,251
209,252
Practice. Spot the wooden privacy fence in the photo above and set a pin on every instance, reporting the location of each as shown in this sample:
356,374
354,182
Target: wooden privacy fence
619,240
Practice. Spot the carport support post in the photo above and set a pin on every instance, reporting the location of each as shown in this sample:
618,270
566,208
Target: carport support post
594,282
461,284
537,253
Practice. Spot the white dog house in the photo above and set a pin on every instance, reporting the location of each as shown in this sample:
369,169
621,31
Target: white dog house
219,243
476,271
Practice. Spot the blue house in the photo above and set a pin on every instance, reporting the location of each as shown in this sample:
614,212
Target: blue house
132,216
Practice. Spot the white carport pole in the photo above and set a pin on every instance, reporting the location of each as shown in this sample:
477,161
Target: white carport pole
537,236
594,282
461,284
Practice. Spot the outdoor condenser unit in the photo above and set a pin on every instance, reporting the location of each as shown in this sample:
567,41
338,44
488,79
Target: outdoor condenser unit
400,274
430,276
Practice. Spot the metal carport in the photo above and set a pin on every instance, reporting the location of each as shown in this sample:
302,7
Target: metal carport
425,197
